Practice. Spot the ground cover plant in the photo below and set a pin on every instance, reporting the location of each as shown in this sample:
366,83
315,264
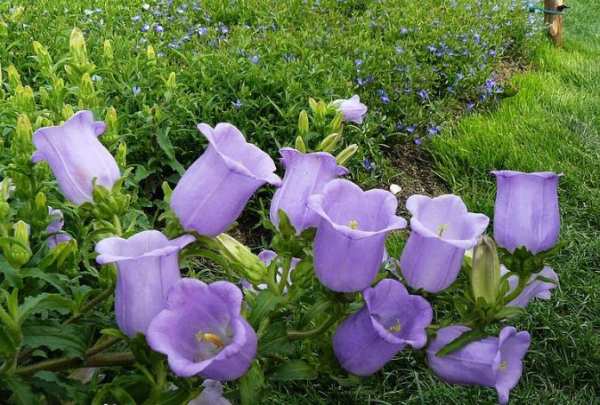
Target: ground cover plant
151,85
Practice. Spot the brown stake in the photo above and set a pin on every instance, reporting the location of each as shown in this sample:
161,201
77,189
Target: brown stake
554,21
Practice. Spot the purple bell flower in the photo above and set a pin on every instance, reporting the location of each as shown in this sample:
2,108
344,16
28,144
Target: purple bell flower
305,174
390,319
148,266
214,190
442,229
350,242
54,229
76,156
535,288
526,212
202,332
212,394
492,362
352,109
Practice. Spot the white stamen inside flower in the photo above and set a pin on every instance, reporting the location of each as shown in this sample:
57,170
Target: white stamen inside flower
503,365
441,229
210,338
353,224
395,328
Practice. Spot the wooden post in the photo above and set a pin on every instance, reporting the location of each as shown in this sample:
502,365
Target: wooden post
554,21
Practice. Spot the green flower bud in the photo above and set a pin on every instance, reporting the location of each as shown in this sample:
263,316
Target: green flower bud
67,112
87,94
151,54
14,78
171,85
16,14
346,154
77,47
330,142
336,123
121,155
44,59
108,51
299,144
24,100
22,145
4,211
303,123
41,203
111,134
241,258
21,230
485,272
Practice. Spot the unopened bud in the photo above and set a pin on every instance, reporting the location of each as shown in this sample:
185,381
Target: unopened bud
346,154
77,47
67,111
151,54
43,57
21,230
330,142
485,272
24,100
241,258
87,94
108,51
299,144
14,78
336,123
303,123
121,155
41,202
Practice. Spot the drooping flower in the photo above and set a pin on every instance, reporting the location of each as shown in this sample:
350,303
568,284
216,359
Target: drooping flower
350,242
390,319
526,212
148,266
305,174
441,230
202,332
535,288
214,190
212,394
495,362
76,156
54,229
352,109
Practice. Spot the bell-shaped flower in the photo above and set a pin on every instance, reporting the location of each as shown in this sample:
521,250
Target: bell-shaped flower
148,266
54,229
350,242
202,332
352,109
495,362
441,230
76,156
305,174
214,190
390,319
212,394
538,286
526,212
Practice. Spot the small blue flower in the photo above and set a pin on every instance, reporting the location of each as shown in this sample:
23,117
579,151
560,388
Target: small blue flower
423,95
368,165
433,130
202,31
254,59
383,96
358,63
237,104
418,141
158,28
136,90
470,105
411,129
404,31
136,18
145,28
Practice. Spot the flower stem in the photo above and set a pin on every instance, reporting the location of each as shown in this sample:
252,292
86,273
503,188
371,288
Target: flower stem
297,335
284,275
520,287
91,304
63,363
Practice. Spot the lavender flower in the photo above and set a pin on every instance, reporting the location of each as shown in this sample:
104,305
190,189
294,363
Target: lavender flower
535,288
352,109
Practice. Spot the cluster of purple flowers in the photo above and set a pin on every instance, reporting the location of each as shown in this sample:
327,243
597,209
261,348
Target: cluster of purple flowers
200,327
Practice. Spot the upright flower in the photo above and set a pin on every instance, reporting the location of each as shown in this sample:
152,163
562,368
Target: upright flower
54,229
148,266
305,174
350,242
215,188
441,230
536,287
492,362
390,319
352,109
202,332
76,156
526,212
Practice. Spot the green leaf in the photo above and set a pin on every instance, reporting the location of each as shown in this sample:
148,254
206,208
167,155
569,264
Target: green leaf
294,370
10,273
251,385
509,312
56,280
165,144
8,345
44,302
69,339
265,303
21,390
461,341
285,225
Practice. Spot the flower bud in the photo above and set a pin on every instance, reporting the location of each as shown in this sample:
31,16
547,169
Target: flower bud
14,79
242,259
41,202
330,142
151,54
303,123
24,101
18,254
336,123
485,272
22,146
43,58
16,14
171,85
67,111
108,51
121,155
112,127
21,230
299,144
346,154
77,47
87,94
